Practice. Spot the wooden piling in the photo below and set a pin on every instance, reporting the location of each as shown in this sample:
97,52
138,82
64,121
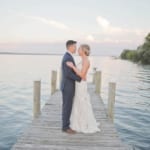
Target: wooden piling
111,100
94,74
60,77
98,82
53,81
36,99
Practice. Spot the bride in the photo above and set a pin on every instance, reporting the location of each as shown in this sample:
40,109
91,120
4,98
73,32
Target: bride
82,117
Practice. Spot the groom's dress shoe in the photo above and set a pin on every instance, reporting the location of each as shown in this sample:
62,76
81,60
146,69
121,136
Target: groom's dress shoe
69,131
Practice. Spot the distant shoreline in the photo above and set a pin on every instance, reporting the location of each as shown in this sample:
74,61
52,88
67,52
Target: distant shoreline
14,53
11,53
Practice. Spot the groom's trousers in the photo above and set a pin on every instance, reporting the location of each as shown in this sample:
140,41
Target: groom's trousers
68,95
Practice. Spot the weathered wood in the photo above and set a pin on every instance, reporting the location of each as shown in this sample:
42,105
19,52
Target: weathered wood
60,77
94,75
44,133
111,100
53,81
36,98
98,82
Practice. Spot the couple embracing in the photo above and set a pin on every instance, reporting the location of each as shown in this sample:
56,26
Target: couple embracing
77,112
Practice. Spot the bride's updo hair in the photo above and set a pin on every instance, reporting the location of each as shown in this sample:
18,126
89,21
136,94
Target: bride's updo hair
86,49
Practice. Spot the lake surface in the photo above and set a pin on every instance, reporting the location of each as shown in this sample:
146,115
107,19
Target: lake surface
132,108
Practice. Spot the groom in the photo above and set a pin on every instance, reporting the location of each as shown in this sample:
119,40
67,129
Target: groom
68,86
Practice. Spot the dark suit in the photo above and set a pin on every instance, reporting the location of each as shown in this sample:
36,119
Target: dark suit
68,89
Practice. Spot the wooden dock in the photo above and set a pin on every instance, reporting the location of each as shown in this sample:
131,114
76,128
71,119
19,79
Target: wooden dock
44,133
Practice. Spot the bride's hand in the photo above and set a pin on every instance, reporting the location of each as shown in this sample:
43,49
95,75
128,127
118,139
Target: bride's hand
70,64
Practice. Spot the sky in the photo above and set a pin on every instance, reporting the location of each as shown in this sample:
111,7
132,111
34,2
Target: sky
45,25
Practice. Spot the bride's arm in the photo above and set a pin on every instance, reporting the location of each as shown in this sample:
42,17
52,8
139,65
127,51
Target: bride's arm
82,72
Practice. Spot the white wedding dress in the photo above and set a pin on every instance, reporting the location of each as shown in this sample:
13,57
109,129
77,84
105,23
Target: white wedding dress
82,117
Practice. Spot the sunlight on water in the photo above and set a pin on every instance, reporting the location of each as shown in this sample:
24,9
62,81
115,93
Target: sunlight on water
132,109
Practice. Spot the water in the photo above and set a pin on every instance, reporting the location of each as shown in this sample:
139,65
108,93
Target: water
132,108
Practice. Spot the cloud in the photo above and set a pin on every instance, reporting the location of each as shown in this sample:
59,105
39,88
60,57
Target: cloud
70,32
103,22
59,25
90,38
115,41
52,23
109,33
107,28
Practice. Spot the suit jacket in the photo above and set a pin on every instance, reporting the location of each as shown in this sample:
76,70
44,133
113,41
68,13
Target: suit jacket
68,75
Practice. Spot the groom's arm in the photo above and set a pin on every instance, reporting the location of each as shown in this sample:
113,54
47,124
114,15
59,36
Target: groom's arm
70,73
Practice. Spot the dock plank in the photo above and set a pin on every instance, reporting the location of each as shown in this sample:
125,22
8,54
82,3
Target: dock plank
44,133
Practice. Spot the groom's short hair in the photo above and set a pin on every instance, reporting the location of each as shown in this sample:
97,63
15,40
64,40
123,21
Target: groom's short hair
70,42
